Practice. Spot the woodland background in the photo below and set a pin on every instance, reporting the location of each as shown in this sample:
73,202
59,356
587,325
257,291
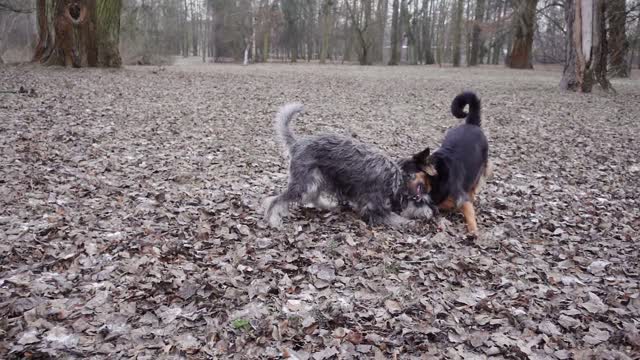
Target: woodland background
458,32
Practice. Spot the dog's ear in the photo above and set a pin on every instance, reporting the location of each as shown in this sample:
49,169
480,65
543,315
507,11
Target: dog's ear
421,157
430,170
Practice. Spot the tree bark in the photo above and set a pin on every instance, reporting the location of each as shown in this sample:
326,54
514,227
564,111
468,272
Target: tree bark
381,18
404,28
108,32
254,24
499,39
291,16
618,43
457,33
585,46
326,29
476,43
395,33
600,48
523,28
442,16
78,32
427,33
361,21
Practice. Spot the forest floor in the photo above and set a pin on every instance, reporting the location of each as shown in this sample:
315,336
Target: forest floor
130,222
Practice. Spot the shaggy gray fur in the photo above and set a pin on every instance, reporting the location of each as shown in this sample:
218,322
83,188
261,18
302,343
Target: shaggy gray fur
344,170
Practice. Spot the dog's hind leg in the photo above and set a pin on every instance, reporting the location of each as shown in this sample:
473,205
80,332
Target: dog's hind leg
315,184
485,175
275,207
303,186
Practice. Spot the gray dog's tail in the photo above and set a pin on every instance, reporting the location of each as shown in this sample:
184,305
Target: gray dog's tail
462,100
283,118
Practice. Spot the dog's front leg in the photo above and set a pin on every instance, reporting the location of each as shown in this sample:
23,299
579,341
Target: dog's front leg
469,214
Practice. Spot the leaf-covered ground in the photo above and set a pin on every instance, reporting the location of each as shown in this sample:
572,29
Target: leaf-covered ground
130,222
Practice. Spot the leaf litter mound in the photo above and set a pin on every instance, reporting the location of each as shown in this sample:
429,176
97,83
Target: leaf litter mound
130,221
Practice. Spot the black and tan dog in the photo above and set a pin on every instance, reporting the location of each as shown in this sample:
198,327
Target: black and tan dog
456,170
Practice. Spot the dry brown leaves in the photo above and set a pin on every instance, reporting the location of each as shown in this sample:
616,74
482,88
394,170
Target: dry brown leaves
130,221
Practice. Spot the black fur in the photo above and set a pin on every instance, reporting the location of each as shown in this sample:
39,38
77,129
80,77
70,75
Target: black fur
463,156
462,100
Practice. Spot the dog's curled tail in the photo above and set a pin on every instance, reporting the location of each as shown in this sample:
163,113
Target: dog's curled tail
462,100
283,118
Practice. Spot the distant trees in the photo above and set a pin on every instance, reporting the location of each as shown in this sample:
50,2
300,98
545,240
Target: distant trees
514,32
371,31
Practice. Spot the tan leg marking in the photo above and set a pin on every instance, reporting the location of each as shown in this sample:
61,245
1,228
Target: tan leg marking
469,214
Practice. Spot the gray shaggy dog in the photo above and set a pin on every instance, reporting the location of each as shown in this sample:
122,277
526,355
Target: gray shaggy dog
345,170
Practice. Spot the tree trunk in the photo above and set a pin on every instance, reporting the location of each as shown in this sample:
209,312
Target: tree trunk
361,24
600,48
618,39
381,18
395,33
523,28
457,33
442,16
499,38
194,31
427,34
205,34
637,43
78,32
404,28
476,43
585,49
254,24
266,36
468,32
326,29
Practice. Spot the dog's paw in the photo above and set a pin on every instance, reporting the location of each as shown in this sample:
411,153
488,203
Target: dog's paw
471,236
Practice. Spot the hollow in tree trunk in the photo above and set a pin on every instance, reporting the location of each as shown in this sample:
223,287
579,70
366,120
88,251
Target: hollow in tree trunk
78,32
523,28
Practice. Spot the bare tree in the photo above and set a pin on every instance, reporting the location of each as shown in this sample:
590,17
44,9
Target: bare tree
584,63
361,21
